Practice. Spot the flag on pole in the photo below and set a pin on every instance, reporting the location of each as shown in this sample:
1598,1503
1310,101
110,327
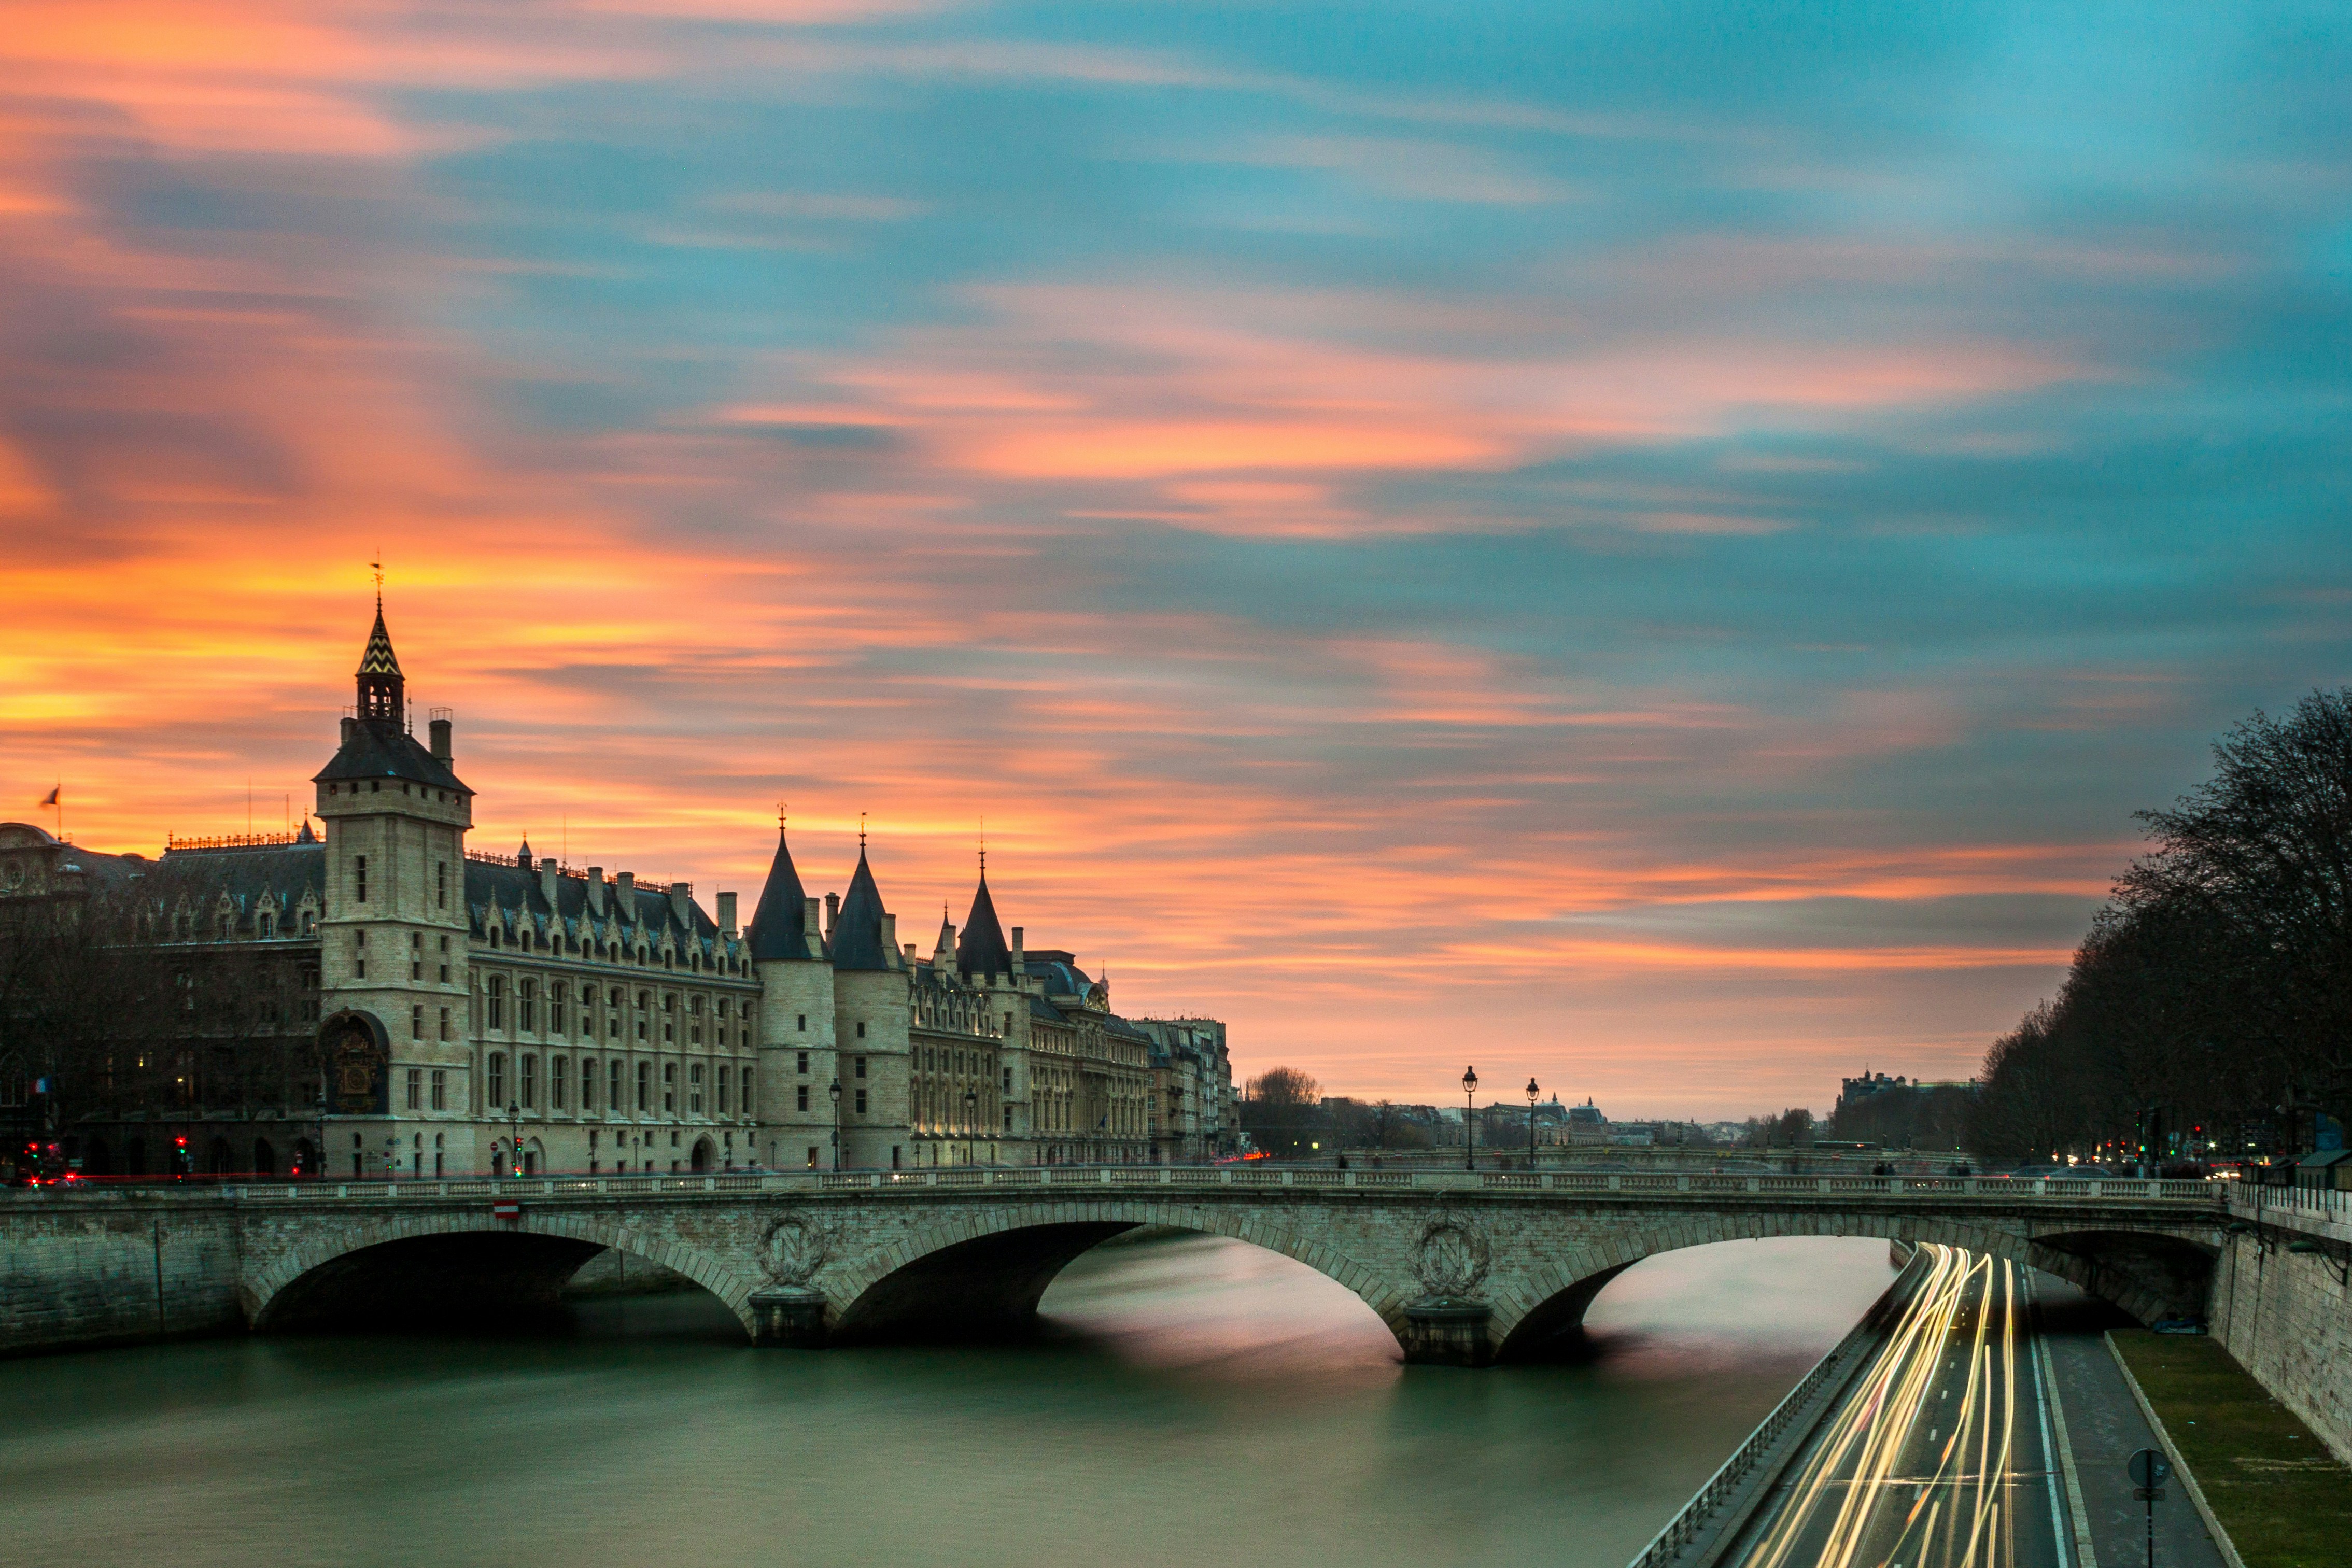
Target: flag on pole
52,799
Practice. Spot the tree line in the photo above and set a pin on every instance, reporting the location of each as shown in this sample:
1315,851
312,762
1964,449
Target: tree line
2213,992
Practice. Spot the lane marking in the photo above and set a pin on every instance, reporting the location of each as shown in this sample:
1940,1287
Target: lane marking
2069,1527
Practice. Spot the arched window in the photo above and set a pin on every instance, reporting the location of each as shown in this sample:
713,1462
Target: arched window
644,1087
495,1003
498,1076
694,1090
669,1088
530,1083
556,1087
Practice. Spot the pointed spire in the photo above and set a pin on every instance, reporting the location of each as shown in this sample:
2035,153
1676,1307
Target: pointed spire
780,925
858,941
382,690
983,950
522,855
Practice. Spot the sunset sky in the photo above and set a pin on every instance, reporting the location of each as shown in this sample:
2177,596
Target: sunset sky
1653,546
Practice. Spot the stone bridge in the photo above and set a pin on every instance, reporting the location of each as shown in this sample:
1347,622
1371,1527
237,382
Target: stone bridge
1463,1267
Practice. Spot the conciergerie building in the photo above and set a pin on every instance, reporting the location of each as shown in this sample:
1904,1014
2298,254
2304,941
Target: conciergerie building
376,998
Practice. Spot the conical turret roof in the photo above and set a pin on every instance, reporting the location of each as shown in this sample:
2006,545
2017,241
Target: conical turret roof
981,950
377,658
779,925
857,930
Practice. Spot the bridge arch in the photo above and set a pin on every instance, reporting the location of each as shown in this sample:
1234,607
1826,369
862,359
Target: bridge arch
979,1272
2149,1271
353,1268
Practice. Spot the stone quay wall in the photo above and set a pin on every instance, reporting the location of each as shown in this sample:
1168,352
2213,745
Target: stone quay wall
145,1268
2285,1315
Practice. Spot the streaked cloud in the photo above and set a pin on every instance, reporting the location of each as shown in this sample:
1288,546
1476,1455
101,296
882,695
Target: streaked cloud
1664,559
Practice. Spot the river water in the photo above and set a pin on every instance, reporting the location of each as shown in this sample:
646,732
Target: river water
1198,1400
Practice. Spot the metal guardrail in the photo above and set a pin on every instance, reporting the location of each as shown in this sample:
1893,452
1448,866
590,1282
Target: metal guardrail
1688,1523
964,1179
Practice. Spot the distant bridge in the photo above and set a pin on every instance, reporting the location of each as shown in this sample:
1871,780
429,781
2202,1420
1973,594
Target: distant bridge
1464,1267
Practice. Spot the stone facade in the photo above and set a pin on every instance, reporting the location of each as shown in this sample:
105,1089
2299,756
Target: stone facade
378,999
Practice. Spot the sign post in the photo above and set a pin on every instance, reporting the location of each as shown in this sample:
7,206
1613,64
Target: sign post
2149,1470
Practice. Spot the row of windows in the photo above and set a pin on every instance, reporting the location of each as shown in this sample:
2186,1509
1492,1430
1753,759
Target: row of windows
703,1083
527,940
526,1011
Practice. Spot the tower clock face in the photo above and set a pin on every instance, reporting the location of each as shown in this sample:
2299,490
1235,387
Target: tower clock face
357,1069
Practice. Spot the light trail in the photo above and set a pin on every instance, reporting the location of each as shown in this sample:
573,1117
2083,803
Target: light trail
1917,1468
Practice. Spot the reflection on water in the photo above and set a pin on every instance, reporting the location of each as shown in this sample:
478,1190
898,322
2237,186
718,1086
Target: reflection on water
1199,1400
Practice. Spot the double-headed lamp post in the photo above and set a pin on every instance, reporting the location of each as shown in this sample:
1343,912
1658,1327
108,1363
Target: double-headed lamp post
1469,1118
970,1122
835,1092
1532,1092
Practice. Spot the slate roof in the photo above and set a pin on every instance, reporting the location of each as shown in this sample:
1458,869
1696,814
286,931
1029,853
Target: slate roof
275,873
1062,977
380,748
513,897
779,925
982,949
857,929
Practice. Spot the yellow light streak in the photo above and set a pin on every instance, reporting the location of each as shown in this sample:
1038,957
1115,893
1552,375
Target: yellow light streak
1853,1505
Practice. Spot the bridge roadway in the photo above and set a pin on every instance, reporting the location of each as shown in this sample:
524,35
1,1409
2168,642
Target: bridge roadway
1464,1267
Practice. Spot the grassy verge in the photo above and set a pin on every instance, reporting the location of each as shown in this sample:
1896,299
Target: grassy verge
2284,1500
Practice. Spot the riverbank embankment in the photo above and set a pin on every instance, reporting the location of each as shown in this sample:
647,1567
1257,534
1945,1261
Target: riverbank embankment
2272,1485
2282,1302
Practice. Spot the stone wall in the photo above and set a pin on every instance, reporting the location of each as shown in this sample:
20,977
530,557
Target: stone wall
2284,1314
116,1273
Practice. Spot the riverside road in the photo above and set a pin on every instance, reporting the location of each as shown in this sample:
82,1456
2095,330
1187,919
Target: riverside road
1947,1452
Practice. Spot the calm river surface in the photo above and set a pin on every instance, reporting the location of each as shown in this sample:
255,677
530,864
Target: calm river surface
1203,1402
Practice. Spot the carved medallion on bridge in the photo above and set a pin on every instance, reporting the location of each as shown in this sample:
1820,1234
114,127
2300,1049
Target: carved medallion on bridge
793,1248
1451,1258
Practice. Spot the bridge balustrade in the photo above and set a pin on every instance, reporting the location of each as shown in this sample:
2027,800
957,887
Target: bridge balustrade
1321,1178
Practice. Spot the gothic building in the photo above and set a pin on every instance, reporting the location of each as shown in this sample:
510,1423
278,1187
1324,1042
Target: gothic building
380,999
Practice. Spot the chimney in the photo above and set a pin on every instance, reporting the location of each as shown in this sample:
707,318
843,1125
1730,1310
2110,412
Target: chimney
547,881
889,932
626,883
1019,966
440,728
351,728
727,913
681,903
832,913
809,919
596,889
911,960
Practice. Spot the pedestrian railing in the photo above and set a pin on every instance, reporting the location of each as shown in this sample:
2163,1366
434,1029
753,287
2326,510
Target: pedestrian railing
1717,1187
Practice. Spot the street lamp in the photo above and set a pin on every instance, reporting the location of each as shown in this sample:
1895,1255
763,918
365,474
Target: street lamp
971,1120
835,1092
514,1141
1469,1123
1532,1092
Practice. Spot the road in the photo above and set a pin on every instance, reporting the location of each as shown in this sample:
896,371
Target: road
1938,1456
